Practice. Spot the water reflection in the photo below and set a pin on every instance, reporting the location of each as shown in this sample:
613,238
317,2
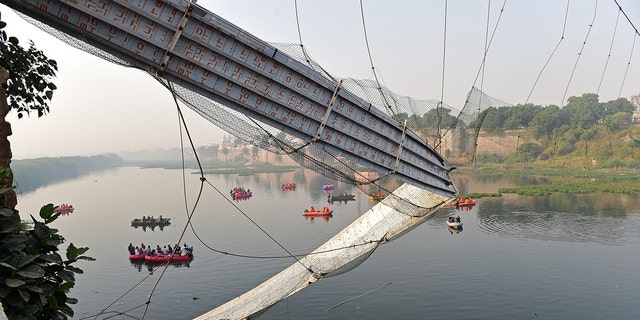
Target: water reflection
152,228
453,230
557,217
325,218
151,266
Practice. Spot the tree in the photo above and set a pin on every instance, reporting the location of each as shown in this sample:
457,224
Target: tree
584,111
434,116
545,121
619,105
34,279
526,153
613,122
29,87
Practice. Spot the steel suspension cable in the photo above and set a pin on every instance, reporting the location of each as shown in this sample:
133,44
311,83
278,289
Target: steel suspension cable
627,17
304,51
635,36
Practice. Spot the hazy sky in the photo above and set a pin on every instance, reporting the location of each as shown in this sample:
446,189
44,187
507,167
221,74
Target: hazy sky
100,107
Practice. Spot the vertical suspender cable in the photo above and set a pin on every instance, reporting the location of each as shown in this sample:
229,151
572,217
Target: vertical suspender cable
366,39
635,36
564,28
478,123
444,58
584,43
484,57
613,37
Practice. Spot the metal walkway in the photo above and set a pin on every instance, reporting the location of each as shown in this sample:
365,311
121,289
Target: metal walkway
190,46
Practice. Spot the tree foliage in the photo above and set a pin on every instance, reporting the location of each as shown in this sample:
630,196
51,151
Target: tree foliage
34,278
30,87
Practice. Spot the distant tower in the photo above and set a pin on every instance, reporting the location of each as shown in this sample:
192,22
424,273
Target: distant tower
636,102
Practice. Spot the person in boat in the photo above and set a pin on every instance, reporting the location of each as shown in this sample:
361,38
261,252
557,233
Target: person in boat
325,209
137,251
158,249
458,219
312,209
131,248
160,218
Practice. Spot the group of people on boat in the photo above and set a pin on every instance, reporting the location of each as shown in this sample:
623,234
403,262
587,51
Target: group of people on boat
240,193
327,187
377,196
151,219
312,209
464,202
288,185
454,219
64,208
143,249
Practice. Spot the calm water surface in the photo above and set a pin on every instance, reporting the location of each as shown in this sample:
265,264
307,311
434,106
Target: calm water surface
555,257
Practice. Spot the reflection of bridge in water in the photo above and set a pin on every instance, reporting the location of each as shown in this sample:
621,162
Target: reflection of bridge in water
284,104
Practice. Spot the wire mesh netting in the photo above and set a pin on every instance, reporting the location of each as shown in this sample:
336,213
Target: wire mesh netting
309,155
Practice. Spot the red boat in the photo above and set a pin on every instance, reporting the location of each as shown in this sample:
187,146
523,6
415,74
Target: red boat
136,256
64,208
312,212
239,193
239,196
288,186
164,257
463,202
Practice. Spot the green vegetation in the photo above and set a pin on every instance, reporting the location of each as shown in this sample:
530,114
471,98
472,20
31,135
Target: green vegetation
478,195
627,187
541,182
261,168
34,278
33,173
583,134
29,87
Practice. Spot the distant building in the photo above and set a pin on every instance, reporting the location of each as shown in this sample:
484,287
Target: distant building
636,102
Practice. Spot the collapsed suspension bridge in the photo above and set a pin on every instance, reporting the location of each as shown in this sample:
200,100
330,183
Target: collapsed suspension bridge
264,95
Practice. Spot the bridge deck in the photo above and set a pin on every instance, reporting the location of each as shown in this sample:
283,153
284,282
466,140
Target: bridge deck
192,47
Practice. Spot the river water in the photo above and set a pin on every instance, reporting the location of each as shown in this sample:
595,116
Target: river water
556,257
